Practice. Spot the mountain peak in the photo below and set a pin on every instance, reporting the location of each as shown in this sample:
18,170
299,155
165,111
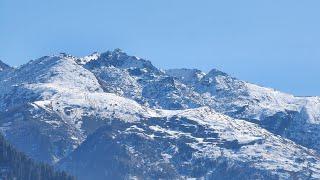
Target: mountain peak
118,50
120,59
86,59
66,56
115,54
4,66
215,72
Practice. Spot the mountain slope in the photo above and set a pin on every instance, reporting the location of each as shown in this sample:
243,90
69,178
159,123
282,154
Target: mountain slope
296,118
15,165
50,105
4,66
197,143
138,79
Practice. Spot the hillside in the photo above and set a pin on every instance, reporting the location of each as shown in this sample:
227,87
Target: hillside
16,165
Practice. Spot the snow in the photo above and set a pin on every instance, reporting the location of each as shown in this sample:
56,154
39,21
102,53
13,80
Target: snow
86,59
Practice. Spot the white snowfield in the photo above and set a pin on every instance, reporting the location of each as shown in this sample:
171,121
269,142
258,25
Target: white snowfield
56,102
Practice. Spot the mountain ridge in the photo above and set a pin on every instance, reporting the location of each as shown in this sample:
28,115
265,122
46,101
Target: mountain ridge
4,66
55,103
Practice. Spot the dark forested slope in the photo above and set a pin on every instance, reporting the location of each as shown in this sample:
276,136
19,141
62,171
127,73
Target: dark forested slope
16,165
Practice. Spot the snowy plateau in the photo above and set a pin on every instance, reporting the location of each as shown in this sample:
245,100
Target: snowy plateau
115,116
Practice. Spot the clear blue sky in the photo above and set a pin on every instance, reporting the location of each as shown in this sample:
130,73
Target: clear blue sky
269,42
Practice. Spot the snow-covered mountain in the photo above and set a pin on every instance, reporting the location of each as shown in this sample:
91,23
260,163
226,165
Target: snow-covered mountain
138,79
49,105
112,115
296,118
